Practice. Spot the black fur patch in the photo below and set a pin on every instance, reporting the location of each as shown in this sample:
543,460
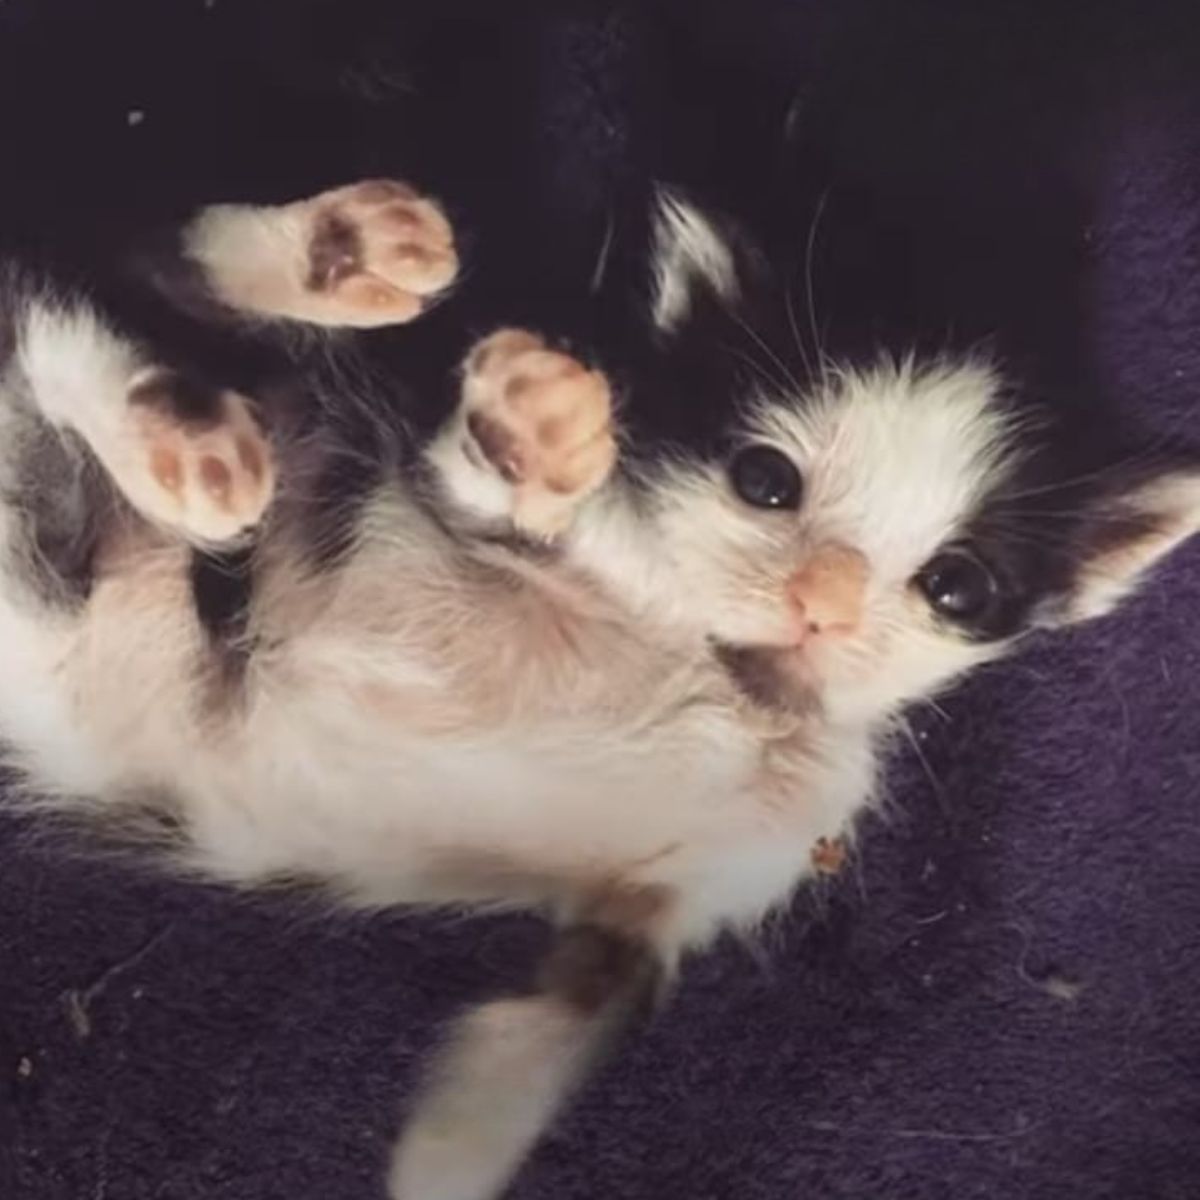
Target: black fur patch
334,509
156,264
590,966
180,397
756,671
62,500
357,418
222,587
1065,503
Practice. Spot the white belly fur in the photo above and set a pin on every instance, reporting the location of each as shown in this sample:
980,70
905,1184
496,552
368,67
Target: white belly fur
319,771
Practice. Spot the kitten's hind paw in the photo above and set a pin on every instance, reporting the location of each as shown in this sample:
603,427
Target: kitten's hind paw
370,254
543,422
377,251
191,458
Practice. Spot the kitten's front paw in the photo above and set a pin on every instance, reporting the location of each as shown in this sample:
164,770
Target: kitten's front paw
376,252
543,421
192,458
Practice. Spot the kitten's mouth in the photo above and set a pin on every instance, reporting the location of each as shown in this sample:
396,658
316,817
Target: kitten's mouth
772,676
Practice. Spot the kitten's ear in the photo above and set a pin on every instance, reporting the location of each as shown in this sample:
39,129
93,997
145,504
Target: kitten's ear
696,259
1128,541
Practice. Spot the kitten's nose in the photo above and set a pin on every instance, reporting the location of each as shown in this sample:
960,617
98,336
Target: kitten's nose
827,592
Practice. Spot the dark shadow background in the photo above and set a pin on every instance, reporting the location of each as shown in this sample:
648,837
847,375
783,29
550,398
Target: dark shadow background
998,1000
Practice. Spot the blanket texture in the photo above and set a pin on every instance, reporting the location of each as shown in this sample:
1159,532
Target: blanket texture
998,997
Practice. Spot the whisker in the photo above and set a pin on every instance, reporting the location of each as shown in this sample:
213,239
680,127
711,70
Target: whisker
791,316
771,355
808,277
606,244
1146,457
774,382
907,729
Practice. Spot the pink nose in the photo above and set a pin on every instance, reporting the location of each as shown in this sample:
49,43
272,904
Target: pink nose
827,592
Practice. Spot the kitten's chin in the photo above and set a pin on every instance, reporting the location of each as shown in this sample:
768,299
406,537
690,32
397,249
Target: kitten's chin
781,678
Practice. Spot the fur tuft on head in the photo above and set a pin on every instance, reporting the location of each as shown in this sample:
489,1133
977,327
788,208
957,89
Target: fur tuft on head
691,253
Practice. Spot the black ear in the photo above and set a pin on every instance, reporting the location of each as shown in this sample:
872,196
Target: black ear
1135,532
697,259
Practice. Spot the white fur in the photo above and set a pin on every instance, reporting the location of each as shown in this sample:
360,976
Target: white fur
79,374
37,712
536,1040
255,259
686,247
477,490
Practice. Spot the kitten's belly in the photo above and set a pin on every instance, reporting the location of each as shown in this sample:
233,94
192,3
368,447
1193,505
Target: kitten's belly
327,783
522,817
559,798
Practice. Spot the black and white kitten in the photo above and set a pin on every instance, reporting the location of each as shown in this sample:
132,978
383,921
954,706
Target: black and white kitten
642,714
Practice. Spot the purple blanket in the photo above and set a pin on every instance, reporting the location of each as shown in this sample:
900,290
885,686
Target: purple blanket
998,997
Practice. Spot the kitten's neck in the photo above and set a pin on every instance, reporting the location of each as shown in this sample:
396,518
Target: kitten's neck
616,539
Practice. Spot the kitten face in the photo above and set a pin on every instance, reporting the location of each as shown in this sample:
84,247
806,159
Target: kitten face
861,543
813,547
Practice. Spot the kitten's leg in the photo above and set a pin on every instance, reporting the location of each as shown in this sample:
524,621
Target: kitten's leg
185,455
532,437
510,1065
371,254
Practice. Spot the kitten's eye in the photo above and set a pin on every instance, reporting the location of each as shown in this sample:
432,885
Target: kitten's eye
958,586
766,478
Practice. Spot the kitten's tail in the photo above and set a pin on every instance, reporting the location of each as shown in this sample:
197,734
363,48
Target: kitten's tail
511,1064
